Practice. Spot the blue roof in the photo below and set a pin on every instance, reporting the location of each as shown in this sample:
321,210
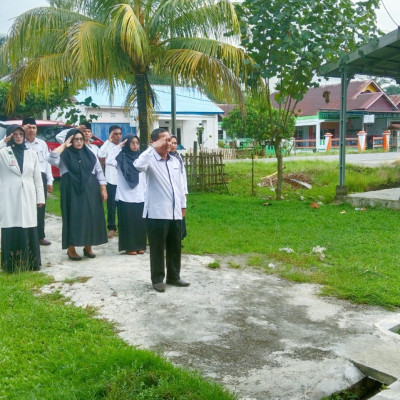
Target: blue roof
188,100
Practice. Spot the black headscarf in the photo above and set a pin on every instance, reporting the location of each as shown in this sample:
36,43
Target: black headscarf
18,149
125,160
79,162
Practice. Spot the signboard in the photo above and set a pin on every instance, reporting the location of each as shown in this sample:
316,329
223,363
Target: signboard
369,118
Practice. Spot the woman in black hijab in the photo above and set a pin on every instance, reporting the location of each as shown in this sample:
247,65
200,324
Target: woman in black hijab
82,188
20,194
130,193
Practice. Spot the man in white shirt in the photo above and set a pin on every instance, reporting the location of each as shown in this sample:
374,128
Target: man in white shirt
114,139
87,134
164,208
41,149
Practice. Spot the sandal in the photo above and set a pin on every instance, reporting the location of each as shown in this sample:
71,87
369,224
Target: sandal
141,252
131,253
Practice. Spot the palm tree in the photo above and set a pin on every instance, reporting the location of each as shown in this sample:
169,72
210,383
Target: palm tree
104,43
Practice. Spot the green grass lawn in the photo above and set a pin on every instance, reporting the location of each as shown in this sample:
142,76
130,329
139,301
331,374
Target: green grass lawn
49,350
361,257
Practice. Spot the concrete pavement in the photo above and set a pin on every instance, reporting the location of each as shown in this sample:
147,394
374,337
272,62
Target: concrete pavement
260,336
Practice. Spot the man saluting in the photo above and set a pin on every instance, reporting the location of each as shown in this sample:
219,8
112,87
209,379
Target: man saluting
41,149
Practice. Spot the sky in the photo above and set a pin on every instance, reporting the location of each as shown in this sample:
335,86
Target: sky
9,9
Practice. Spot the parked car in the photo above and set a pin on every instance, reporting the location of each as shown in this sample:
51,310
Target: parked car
47,131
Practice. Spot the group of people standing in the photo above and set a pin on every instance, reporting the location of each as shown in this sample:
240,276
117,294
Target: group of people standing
148,191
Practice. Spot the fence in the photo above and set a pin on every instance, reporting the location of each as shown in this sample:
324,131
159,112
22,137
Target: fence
306,144
227,154
205,172
377,142
350,142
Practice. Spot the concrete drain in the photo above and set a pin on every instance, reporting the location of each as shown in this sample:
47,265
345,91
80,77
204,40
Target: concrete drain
369,386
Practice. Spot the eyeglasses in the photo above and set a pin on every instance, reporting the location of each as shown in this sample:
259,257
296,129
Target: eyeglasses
77,140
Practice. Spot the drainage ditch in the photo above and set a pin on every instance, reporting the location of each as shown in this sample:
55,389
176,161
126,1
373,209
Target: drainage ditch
372,383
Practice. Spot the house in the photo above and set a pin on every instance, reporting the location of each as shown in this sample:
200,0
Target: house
195,113
369,109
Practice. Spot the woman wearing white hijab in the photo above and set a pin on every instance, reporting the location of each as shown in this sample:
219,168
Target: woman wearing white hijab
20,195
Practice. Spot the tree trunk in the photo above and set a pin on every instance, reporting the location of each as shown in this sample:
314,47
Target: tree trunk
279,158
142,94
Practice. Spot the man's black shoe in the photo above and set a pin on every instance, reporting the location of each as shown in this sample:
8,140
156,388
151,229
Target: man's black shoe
44,242
179,283
159,287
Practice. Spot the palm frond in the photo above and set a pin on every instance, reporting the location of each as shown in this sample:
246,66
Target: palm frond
233,57
126,31
193,18
200,69
84,45
38,31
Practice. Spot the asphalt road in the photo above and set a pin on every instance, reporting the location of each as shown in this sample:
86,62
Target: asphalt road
364,159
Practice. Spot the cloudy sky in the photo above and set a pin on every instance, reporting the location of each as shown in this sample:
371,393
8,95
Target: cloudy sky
10,9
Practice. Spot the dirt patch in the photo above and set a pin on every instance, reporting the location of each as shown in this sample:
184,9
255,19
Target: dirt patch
289,178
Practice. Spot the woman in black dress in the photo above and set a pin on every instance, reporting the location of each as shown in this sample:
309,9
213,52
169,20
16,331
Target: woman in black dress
83,188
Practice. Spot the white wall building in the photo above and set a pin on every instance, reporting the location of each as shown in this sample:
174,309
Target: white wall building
193,110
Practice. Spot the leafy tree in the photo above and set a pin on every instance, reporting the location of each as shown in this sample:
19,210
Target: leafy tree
289,41
35,102
255,123
392,89
106,43
73,115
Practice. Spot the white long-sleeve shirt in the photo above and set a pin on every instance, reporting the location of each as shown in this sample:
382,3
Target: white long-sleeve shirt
40,148
165,195
93,148
111,171
55,159
124,191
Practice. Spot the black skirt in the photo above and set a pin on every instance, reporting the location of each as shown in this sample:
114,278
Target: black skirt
131,226
20,250
82,214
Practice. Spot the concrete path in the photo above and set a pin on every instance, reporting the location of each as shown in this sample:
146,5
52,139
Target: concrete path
260,336
388,198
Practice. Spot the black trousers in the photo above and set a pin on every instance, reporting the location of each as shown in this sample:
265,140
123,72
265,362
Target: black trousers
111,207
41,211
164,236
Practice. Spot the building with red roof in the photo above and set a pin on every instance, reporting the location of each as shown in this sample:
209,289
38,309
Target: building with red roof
369,109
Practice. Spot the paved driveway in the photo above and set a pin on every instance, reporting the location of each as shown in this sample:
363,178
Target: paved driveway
365,159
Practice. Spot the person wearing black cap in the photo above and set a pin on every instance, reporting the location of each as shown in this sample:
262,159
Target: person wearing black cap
40,148
20,195
82,188
88,136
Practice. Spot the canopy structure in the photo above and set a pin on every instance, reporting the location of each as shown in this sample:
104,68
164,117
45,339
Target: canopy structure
379,57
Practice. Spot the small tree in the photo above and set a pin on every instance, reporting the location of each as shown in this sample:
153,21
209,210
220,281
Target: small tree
290,40
257,124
